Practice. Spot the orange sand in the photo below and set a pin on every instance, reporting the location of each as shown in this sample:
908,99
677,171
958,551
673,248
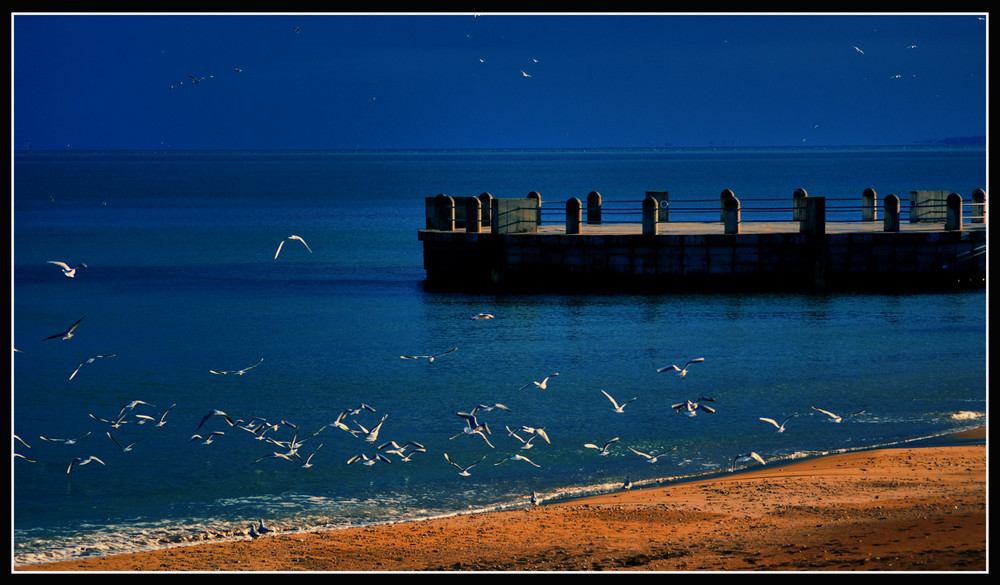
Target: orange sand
901,509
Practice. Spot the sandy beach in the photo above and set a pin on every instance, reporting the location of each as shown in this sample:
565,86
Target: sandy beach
919,508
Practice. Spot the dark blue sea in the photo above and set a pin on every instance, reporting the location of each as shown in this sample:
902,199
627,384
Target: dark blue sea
181,280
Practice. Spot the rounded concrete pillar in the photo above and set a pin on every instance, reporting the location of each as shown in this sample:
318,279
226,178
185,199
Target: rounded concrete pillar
890,212
574,215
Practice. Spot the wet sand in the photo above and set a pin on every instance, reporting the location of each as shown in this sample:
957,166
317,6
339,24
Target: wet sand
920,508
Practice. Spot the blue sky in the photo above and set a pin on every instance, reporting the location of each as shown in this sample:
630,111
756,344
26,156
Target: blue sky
347,81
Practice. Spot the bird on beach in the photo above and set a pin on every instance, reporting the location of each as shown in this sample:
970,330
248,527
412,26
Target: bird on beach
291,238
66,334
70,441
681,372
82,461
628,483
536,499
263,529
653,458
781,426
517,457
124,448
237,372
464,471
90,361
70,272
541,385
430,358
619,408
691,408
602,450
252,533
751,456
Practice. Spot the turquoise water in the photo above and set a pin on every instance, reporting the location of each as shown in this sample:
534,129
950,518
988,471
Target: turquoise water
182,279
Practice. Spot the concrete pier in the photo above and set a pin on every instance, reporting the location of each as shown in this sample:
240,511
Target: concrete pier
517,251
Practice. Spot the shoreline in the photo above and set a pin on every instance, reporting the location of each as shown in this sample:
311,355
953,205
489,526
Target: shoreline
919,507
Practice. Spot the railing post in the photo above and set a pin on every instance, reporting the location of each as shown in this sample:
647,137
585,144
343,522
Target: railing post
868,212
953,217
574,215
890,211
649,216
538,201
731,214
444,213
979,206
726,193
594,207
473,215
799,204
662,199
486,208
814,220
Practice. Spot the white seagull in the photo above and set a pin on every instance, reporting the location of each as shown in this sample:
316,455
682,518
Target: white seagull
429,358
747,457
540,431
291,238
401,450
691,408
124,448
653,458
487,407
474,427
372,435
65,334
602,450
90,361
541,385
682,372
238,372
618,408
82,461
628,483
163,416
464,471
70,272
339,423
263,529
525,444
536,499
70,441
366,460
306,464
253,532
215,413
836,418
781,426
206,440
517,457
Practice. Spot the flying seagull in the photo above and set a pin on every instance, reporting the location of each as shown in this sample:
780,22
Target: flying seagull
618,408
238,372
291,238
215,413
473,427
66,269
781,426
464,471
681,371
747,457
517,457
372,435
541,385
366,460
429,358
603,450
206,440
525,444
82,461
653,458
836,418
124,448
692,408
90,361
71,441
66,334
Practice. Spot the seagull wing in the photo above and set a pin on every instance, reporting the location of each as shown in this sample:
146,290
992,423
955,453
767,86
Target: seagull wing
280,244
668,368
62,265
611,399
772,421
301,240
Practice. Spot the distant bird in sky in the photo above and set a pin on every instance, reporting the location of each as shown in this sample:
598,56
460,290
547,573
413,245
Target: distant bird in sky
602,450
682,372
618,408
523,74
541,385
291,238
238,70
858,50
464,471
193,79
781,426
70,441
90,361
66,334
69,272
751,456
653,458
82,461
238,372
429,358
